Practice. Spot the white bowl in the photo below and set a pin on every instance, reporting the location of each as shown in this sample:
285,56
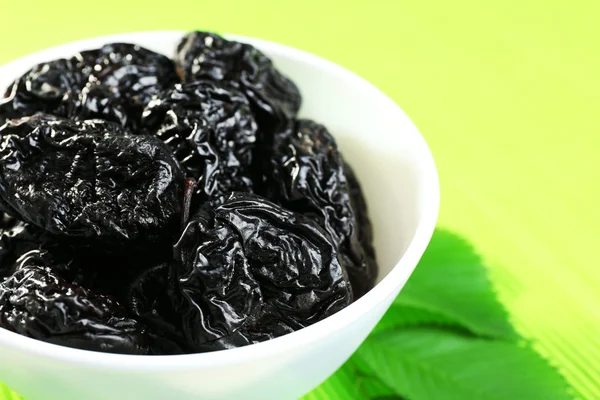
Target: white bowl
399,178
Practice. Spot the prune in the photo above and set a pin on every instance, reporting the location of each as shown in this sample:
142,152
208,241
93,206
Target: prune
204,55
35,302
131,75
100,269
249,270
149,302
109,271
114,82
97,102
10,228
87,180
42,89
18,239
211,130
307,176
359,205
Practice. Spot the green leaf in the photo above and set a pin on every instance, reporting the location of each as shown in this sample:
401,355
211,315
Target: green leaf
354,380
428,363
342,385
374,388
399,316
451,282
369,383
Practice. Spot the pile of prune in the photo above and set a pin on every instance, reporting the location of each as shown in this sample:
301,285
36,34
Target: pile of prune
154,206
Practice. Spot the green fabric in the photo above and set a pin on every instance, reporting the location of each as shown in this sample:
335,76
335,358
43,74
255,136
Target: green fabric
506,93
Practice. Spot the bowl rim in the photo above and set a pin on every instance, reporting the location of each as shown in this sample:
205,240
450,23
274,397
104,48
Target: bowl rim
385,289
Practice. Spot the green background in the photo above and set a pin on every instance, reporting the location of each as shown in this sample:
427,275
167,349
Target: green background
507,95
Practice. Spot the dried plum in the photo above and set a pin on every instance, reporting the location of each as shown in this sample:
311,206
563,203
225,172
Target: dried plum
18,239
249,270
307,176
42,89
150,302
211,130
359,205
36,303
205,55
114,82
77,180
97,102
10,231
97,268
109,271
104,270
131,75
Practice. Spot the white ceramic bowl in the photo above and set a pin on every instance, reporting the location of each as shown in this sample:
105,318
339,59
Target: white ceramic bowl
399,178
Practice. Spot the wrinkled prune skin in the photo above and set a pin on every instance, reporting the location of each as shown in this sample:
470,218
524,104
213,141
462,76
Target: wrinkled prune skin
149,302
108,271
363,223
114,83
10,231
204,55
248,271
217,287
131,71
97,102
100,269
18,239
210,128
89,181
43,88
307,176
94,269
131,75
35,302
